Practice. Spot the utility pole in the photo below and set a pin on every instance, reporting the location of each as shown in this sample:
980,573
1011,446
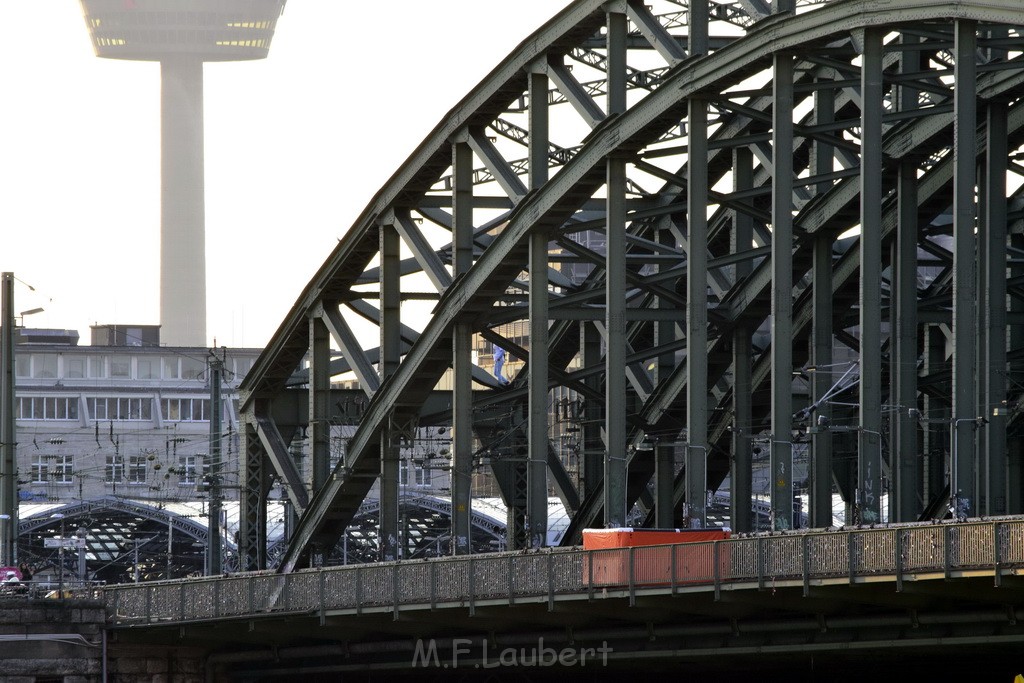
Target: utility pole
213,548
8,461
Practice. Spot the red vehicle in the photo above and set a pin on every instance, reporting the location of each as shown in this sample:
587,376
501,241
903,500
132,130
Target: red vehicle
651,557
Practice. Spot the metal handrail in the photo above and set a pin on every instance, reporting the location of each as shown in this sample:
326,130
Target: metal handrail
540,576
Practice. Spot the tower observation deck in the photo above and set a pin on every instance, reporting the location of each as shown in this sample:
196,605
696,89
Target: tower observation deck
181,35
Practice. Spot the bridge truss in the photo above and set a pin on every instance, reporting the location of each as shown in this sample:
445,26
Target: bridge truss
741,233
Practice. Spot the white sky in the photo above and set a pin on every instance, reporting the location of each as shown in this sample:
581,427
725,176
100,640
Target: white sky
296,145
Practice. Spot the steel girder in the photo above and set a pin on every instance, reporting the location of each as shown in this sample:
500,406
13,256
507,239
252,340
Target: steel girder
864,98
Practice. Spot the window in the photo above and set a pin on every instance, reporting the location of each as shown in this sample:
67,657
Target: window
242,366
186,470
134,409
186,409
97,367
148,368
44,365
114,472
64,469
137,469
74,367
121,367
192,368
40,469
49,408
171,368
22,365
421,475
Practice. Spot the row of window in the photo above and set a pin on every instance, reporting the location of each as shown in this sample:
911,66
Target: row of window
143,18
129,409
60,469
117,366
260,42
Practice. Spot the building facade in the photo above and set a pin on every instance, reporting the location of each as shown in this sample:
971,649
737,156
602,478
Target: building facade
122,417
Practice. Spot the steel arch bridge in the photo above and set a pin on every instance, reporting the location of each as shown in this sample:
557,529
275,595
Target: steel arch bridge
750,234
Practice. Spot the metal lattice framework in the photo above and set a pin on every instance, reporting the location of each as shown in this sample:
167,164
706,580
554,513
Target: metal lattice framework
749,235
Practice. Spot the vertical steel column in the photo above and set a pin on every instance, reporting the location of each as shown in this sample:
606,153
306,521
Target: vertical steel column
820,474
697,312
8,431
664,481
537,443
664,453
252,517
1015,447
462,349
319,401
869,443
994,309
593,447
820,504
698,40
390,355
905,502
935,435
615,291
781,446
741,472
962,448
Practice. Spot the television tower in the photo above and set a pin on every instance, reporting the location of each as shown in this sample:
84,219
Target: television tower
182,35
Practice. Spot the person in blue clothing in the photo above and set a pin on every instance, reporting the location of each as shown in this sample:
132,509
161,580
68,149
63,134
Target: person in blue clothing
499,364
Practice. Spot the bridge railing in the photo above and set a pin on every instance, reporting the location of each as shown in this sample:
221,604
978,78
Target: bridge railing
505,578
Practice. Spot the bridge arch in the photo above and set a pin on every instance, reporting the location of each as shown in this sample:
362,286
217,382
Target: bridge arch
660,264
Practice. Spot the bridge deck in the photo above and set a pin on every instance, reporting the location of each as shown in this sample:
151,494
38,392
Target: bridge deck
893,555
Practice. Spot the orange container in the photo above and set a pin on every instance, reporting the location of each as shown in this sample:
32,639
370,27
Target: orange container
609,562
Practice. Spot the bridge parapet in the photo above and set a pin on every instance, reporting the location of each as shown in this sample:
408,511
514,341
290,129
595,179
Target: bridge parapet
900,553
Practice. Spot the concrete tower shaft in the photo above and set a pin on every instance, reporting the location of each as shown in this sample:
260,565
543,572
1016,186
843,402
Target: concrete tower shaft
181,35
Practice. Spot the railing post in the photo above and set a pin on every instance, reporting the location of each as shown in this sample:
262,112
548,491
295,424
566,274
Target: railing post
997,557
433,585
394,590
216,598
472,588
589,555
359,589
675,569
899,560
632,578
181,603
149,604
851,551
716,557
511,582
947,559
252,594
322,591
760,563
806,546
551,582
